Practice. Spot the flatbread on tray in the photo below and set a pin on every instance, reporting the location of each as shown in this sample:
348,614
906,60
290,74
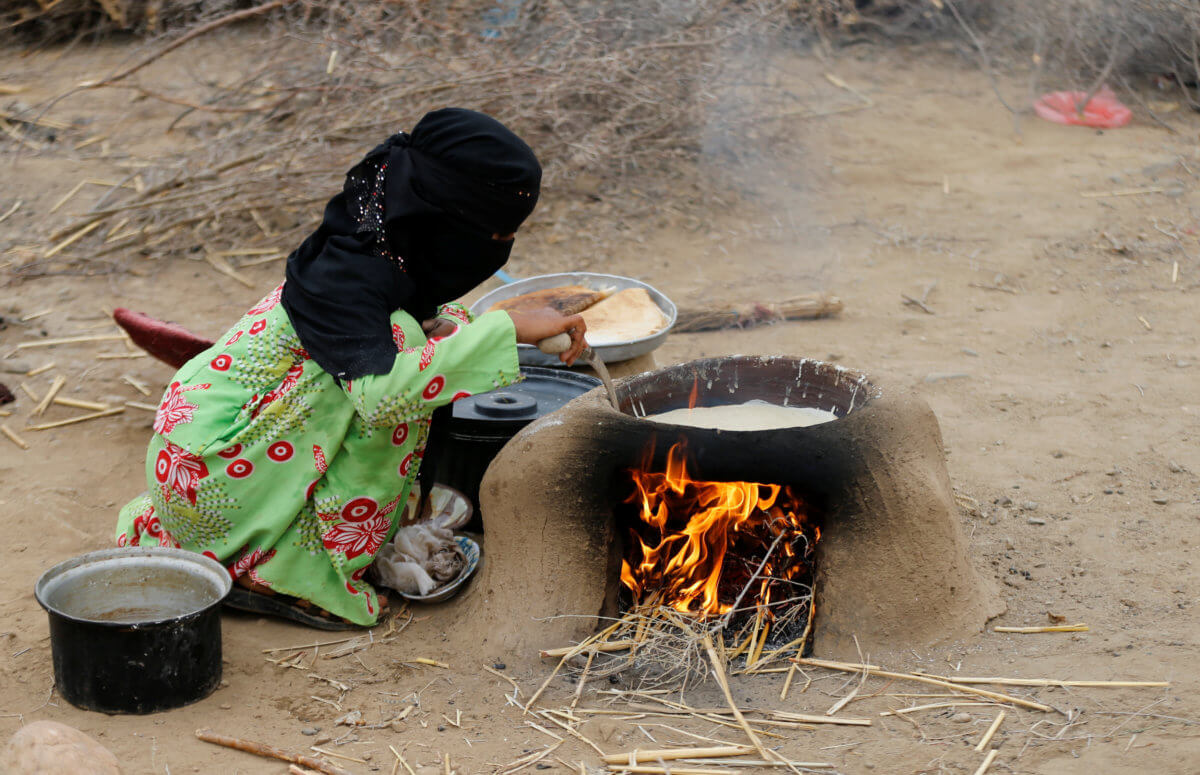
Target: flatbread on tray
623,317
567,299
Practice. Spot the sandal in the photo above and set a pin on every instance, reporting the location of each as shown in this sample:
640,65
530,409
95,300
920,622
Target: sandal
283,607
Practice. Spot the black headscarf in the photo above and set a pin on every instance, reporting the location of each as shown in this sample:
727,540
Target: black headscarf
412,229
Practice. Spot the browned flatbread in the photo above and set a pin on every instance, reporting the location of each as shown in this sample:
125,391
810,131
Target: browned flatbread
623,317
567,299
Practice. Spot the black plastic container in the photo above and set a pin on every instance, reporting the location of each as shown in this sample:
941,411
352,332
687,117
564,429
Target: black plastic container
135,630
482,424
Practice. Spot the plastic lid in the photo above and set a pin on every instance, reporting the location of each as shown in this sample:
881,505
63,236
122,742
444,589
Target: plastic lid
541,392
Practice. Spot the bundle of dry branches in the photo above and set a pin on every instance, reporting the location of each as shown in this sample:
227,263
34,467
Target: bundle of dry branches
55,19
606,87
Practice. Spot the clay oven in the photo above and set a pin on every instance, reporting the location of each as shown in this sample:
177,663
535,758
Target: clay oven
892,567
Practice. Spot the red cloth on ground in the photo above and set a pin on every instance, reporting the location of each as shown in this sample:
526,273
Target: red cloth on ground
170,343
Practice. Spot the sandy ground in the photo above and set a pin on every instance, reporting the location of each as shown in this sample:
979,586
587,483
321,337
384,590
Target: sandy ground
1059,351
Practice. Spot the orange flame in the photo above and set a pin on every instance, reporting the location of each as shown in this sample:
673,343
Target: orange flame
688,529
695,394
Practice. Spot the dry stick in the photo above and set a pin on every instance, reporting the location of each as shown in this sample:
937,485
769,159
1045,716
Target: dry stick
55,386
337,755
809,719
1122,192
616,645
498,674
583,679
70,340
11,210
400,759
71,240
270,752
845,700
579,649
40,369
851,668
81,418
1054,682
67,196
787,683
13,437
990,733
991,757
719,671
669,754
224,268
136,384
652,770
810,306
1052,628
573,732
932,706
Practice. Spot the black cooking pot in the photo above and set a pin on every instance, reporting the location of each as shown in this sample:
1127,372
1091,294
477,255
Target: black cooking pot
480,425
135,630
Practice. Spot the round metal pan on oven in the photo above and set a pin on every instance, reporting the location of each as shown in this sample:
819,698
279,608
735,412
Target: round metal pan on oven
610,353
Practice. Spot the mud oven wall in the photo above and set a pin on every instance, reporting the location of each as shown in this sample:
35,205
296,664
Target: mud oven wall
892,565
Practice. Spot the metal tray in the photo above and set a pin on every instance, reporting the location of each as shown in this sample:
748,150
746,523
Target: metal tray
528,355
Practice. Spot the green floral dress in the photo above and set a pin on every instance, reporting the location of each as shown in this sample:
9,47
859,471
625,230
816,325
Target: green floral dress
264,462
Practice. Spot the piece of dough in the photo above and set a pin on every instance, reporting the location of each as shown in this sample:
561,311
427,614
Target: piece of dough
567,299
623,317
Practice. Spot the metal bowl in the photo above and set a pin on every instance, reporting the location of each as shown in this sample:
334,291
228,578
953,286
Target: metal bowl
529,355
470,550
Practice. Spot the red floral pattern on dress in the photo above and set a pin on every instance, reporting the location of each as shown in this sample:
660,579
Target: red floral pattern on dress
174,409
461,394
234,338
400,435
398,337
280,451
356,538
239,469
360,509
268,302
229,453
300,353
434,387
222,362
426,355
178,470
322,467
405,466
290,380
248,561
258,326
391,505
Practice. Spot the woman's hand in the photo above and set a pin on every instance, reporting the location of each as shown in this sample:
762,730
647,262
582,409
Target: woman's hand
535,325
435,327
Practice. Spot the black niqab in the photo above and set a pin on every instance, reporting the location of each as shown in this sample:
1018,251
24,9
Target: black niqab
412,229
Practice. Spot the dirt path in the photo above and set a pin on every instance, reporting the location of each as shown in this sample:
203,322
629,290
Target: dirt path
1059,352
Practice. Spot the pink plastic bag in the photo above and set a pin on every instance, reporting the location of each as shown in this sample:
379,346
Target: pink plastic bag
1103,111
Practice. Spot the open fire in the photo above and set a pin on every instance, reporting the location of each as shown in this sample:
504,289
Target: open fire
717,548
